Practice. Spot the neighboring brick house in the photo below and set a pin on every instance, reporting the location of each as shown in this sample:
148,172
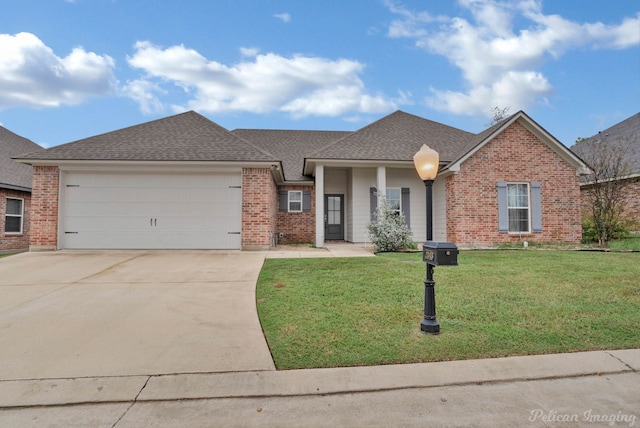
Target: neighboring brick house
15,192
186,182
623,137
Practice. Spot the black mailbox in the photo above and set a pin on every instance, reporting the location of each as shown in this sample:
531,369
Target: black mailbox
440,253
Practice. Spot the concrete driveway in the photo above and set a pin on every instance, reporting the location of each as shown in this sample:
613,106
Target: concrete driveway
124,313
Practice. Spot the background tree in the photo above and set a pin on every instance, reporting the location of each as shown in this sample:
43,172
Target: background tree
604,192
498,115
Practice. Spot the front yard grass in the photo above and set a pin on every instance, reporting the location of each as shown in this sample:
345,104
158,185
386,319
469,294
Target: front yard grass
363,311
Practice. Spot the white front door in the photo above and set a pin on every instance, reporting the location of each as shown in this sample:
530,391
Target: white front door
151,211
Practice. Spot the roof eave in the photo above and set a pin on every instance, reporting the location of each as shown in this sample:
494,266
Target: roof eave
14,187
310,164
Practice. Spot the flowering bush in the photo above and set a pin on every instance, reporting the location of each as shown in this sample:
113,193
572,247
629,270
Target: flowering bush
389,230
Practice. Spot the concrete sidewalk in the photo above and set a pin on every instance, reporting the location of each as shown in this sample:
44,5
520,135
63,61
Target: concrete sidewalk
509,391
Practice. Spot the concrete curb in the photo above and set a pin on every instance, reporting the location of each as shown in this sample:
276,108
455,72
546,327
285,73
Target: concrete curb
310,382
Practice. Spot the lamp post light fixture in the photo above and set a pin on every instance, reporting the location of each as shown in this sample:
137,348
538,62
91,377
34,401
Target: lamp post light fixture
426,163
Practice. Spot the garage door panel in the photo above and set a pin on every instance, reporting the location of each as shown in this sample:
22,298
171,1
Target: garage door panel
137,211
148,210
143,194
153,180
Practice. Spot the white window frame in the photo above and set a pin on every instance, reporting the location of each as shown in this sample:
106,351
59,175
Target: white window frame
399,190
528,208
21,216
291,200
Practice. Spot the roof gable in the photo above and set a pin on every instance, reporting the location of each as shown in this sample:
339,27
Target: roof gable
484,137
183,137
396,137
13,174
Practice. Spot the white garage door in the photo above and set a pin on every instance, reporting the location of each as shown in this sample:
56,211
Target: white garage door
151,211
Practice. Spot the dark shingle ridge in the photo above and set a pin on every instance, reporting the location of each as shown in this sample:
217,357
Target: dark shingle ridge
186,136
12,173
625,133
397,136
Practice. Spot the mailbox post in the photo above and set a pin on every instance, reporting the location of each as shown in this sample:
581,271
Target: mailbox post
434,254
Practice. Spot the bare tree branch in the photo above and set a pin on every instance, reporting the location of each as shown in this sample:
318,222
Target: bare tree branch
604,188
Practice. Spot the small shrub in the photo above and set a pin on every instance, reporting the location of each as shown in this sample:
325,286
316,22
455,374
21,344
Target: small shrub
590,232
389,230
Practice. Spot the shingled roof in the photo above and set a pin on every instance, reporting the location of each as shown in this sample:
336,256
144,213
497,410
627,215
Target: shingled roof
290,146
14,175
624,135
192,137
397,137
183,137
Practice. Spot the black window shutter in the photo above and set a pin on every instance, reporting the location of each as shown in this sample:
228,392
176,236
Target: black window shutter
406,205
306,200
373,202
503,208
284,200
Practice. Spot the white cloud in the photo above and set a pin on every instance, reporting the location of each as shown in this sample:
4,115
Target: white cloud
514,88
499,62
411,24
32,75
144,93
284,17
299,85
249,51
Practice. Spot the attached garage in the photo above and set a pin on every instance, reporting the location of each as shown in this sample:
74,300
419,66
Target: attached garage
180,182
153,210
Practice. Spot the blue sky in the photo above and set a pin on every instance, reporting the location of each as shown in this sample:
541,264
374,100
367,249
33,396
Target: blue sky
71,69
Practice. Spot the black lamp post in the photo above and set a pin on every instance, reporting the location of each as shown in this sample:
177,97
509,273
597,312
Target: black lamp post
426,163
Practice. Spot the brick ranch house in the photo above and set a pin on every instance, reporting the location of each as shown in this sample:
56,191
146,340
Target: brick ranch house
15,192
185,182
623,136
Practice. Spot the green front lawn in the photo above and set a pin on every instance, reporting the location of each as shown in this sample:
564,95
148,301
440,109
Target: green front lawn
363,311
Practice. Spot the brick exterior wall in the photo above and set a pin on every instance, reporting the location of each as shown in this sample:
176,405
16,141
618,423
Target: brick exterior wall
298,227
516,155
632,210
44,208
259,208
13,242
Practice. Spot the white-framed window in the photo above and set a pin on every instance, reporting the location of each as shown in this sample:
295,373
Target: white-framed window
295,201
14,214
394,198
519,207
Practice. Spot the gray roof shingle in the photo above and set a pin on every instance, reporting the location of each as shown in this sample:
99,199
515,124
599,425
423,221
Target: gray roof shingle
290,146
192,137
12,173
183,137
625,133
397,137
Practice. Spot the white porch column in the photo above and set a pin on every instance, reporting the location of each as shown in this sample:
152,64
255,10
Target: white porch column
381,183
319,206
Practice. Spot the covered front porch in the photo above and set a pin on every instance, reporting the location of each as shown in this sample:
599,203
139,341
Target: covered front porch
347,195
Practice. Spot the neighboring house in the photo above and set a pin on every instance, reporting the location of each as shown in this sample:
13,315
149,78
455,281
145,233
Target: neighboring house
185,182
623,137
15,192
